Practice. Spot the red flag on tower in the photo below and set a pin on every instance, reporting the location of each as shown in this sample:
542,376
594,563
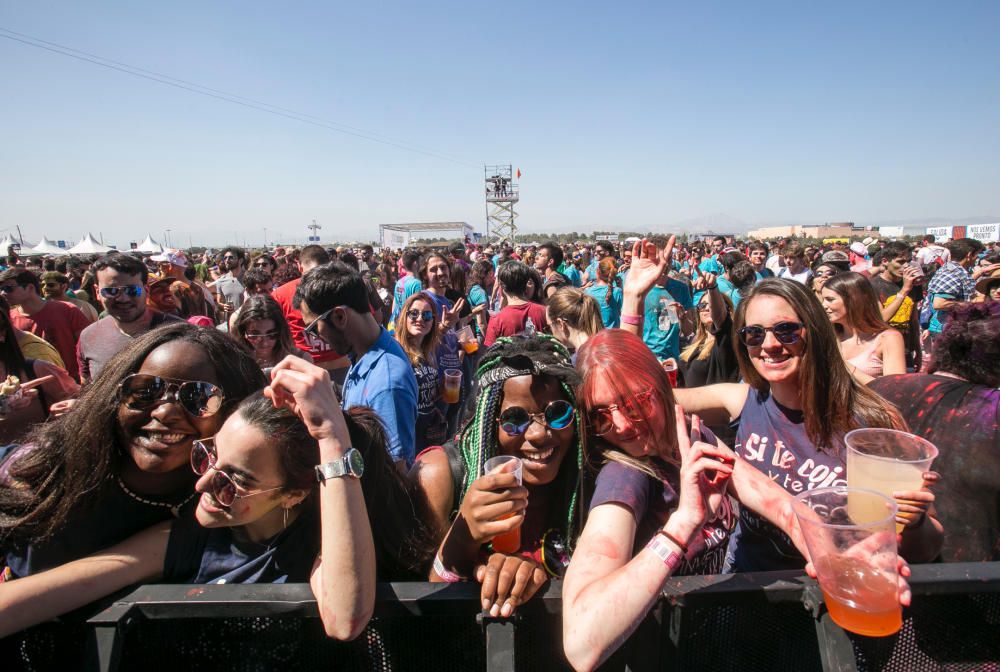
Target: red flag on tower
519,173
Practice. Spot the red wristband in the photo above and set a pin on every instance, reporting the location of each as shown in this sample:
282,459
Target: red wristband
634,320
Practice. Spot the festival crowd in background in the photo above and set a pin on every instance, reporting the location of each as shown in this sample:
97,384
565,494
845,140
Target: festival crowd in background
326,415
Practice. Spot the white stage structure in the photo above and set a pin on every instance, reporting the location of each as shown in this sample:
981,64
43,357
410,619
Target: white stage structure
88,245
398,236
149,245
45,248
6,243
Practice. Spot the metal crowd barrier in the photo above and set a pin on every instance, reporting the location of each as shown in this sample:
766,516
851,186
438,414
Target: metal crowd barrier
760,621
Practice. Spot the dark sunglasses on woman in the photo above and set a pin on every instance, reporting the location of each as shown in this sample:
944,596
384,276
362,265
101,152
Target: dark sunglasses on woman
198,398
223,488
637,409
516,420
786,332
425,315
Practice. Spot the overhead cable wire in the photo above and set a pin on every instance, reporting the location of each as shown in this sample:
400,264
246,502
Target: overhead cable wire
224,95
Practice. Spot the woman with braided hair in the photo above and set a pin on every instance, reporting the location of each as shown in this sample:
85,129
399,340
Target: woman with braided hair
526,408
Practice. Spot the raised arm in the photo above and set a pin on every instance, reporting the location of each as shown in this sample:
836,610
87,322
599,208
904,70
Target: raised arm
604,573
648,264
343,578
714,403
40,597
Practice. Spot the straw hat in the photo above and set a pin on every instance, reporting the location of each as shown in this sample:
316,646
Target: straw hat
984,282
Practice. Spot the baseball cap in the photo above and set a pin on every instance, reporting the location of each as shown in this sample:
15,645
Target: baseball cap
859,248
834,256
175,258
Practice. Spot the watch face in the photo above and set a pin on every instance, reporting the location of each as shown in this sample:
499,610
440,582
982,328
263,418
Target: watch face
357,463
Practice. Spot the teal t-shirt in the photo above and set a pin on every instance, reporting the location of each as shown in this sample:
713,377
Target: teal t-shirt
664,342
611,310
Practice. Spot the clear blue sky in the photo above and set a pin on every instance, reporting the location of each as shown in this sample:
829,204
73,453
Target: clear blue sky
618,114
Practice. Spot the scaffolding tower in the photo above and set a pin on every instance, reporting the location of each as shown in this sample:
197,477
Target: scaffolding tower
501,195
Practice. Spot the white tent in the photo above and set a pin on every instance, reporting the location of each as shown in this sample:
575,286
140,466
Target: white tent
149,245
632,239
6,243
88,245
46,247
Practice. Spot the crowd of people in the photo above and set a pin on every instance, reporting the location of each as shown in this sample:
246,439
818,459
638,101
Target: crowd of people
329,415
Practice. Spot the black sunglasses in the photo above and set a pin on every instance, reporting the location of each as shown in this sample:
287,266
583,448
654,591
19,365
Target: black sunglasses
7,289
786,333
311,328
425,315
223,488
557,415
142,392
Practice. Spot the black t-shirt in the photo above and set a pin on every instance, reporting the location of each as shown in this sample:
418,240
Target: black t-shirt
961,419
196,554
720,366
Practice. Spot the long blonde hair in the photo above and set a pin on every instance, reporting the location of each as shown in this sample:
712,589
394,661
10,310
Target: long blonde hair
704,340
424,352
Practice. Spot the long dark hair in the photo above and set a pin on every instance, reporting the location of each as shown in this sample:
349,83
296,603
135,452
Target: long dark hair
833,402
75,456
397,511
10,351
263,307
861,304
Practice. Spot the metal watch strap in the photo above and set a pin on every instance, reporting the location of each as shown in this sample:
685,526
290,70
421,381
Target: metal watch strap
337,468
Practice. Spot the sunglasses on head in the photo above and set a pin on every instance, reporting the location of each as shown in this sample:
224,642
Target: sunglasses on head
222,487
637,409
425,315
198,398
267,335
131,291
516,420
786,333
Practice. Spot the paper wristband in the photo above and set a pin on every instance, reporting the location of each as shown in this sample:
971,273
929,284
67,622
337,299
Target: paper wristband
631,319
449,577
670,557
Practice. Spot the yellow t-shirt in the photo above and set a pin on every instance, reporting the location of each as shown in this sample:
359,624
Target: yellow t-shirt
35,347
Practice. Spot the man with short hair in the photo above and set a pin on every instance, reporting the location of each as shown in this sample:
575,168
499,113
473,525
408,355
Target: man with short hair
549,258
795,265
408,283
122,290
931,253
54,288
899,290
57,322
718,246
457,251
333,299
955,281
512,319
229,288
758,257
323,355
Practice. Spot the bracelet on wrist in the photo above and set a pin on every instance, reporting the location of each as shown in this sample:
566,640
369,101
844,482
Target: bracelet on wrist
674,540
634,320
663,550
440,570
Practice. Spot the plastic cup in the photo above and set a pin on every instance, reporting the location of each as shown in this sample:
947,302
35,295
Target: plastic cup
886,461
855,560
670,366
508,542
468,340
452,385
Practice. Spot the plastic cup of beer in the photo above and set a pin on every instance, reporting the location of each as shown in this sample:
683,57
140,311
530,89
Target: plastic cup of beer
468,340
855,560
508,542
452,385
886,461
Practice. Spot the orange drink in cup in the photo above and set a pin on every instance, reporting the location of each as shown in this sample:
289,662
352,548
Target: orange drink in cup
855,560
508,542
452,385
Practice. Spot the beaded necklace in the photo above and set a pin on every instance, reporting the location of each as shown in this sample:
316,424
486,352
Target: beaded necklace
175,509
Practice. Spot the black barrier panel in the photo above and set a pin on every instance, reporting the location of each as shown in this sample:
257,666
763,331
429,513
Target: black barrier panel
768,621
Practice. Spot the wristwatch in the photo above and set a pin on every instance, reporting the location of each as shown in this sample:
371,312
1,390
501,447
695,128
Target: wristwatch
351,464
